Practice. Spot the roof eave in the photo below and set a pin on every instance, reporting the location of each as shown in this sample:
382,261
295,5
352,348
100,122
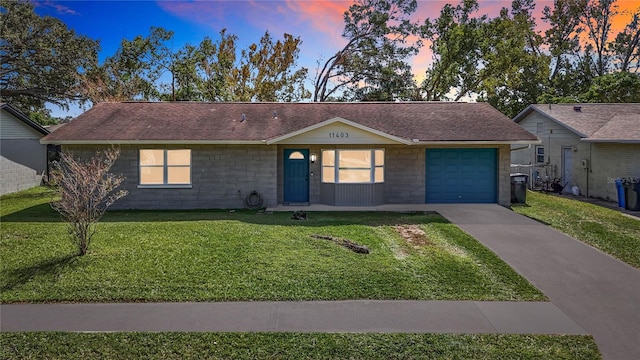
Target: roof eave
522,114
477,142
618,141
22,117
153,142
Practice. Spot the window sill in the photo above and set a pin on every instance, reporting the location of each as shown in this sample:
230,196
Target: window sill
163,186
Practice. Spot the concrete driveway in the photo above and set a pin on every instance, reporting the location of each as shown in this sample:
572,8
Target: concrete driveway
600,293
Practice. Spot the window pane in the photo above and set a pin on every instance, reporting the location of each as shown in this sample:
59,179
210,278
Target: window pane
151,157
328,157
179,157
328,175
179,175
354,176
379,175
296,155
151,175
379,157
355,159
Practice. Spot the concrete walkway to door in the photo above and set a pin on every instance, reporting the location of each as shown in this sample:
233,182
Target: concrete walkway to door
600,293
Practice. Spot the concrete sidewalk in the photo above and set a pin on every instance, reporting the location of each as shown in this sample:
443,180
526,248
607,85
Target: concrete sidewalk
313,316
599,292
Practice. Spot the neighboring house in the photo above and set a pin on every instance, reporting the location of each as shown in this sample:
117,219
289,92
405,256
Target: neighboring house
183,155
586,145
23,160
53,128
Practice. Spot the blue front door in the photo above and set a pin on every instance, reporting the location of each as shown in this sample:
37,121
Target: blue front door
461,176
296,175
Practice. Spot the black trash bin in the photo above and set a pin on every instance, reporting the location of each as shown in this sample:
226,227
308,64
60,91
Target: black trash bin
519,188
631,193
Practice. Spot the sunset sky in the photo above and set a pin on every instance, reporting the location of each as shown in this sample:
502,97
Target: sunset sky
318,23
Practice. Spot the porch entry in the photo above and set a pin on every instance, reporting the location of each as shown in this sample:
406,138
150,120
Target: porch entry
296,176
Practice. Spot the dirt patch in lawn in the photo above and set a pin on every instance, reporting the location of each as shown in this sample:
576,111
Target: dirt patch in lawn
415,236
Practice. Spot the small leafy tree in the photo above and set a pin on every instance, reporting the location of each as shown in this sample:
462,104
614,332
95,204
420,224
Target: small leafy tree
86,190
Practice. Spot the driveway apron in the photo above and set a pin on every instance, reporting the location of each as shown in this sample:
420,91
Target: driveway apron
599,292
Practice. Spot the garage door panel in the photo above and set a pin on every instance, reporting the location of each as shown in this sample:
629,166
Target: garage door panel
461,176
468,155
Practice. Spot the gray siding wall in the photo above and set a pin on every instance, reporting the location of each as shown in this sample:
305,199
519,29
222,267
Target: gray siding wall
352,194
22,164
13,128
222,176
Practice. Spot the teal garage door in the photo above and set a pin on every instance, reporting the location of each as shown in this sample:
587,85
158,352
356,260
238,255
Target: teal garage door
461,176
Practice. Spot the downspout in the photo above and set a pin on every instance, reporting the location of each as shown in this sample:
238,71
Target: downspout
589,168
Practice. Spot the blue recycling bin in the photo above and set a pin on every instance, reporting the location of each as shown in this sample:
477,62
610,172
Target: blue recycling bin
620,190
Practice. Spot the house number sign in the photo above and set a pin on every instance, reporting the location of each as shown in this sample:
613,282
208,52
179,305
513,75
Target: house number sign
338,135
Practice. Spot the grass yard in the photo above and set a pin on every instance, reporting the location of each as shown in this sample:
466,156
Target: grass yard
292,346
228,256
605,229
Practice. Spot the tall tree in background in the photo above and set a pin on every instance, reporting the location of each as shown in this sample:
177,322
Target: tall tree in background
563,35
596,17
265,71
498,60
516,69
372,65
455,39
148,68
133,71
42,59
626,46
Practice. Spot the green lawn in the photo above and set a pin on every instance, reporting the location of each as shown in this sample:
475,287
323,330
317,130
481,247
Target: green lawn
605,229
292,346
243,255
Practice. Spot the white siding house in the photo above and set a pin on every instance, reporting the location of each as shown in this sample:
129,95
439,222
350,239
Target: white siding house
23,160
584,145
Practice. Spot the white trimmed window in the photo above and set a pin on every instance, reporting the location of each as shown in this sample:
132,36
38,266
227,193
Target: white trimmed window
539,154
165,167
353,166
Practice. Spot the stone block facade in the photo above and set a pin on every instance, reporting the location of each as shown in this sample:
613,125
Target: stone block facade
16,177
23,163
608,162
222,176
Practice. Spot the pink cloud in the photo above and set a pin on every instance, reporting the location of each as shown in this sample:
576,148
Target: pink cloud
201,12
60,9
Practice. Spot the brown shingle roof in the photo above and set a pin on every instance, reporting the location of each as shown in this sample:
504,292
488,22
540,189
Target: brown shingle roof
197,121
623,128
593,122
